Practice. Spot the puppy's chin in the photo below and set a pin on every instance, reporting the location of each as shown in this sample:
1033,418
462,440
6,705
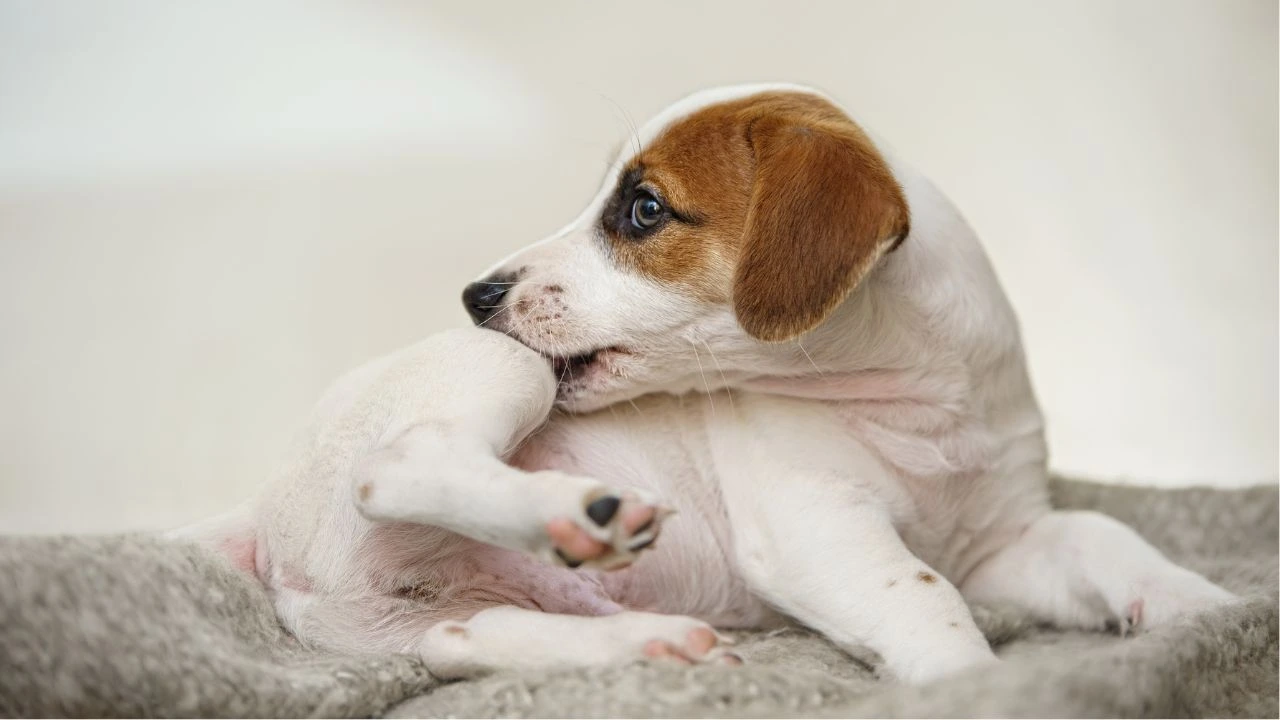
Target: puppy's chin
580,404
595,381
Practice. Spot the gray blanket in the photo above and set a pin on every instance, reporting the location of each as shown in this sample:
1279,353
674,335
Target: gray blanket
132,626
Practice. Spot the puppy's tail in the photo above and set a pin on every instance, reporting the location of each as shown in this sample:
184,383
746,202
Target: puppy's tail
233,535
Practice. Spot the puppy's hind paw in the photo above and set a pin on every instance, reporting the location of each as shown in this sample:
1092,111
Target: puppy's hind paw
700,645
614,528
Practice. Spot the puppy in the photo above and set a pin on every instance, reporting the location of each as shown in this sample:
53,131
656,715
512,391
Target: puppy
763,322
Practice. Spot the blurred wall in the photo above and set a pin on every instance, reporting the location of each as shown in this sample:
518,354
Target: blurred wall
209,210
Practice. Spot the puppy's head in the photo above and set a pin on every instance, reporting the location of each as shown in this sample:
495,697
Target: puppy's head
746,218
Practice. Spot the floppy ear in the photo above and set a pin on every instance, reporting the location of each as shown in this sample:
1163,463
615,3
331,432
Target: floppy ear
825,207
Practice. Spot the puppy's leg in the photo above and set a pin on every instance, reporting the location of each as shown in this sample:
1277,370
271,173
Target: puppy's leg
1085,569
432,477
813,535
511,638
481,394
475,396
464,640
360,622
841,569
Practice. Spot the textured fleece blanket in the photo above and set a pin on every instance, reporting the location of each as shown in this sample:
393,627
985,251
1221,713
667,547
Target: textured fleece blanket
130,625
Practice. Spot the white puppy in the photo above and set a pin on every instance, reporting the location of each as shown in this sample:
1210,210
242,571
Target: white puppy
817,369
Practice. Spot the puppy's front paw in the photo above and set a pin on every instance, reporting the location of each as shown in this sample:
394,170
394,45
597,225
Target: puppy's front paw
613,528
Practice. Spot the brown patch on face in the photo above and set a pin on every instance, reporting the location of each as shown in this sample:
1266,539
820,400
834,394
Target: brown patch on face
701,169
925,577
778,204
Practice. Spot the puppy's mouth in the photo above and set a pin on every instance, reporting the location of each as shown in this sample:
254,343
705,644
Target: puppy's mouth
570,367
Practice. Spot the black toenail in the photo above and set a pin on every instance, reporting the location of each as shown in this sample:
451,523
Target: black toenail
602,511
641,545
567,560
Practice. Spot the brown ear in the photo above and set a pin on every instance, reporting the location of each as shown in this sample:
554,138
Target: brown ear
825,207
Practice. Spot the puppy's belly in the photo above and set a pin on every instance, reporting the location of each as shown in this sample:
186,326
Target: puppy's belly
658,445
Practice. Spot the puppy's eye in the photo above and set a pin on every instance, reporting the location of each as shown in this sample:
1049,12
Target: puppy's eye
646,211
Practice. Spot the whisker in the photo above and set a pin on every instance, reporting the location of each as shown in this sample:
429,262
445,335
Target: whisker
486,320
728,391
563,372
511,329
634,406
521,319
706,386
811,362
635,134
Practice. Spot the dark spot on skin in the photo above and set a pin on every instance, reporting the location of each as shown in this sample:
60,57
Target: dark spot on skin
456,630
925,577
892,583
422,592
554,289
954,625
364,492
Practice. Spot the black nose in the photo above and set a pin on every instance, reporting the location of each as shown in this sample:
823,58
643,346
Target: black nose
482,299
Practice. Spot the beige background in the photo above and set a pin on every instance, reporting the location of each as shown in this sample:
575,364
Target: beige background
209,210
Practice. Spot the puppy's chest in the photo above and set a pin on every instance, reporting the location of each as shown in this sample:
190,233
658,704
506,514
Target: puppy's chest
657,443
917,440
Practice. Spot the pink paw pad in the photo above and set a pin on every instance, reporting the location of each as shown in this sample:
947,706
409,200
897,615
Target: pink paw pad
628,524
1133,617
701,645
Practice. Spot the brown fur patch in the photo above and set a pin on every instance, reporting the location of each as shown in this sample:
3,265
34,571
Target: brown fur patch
789,205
